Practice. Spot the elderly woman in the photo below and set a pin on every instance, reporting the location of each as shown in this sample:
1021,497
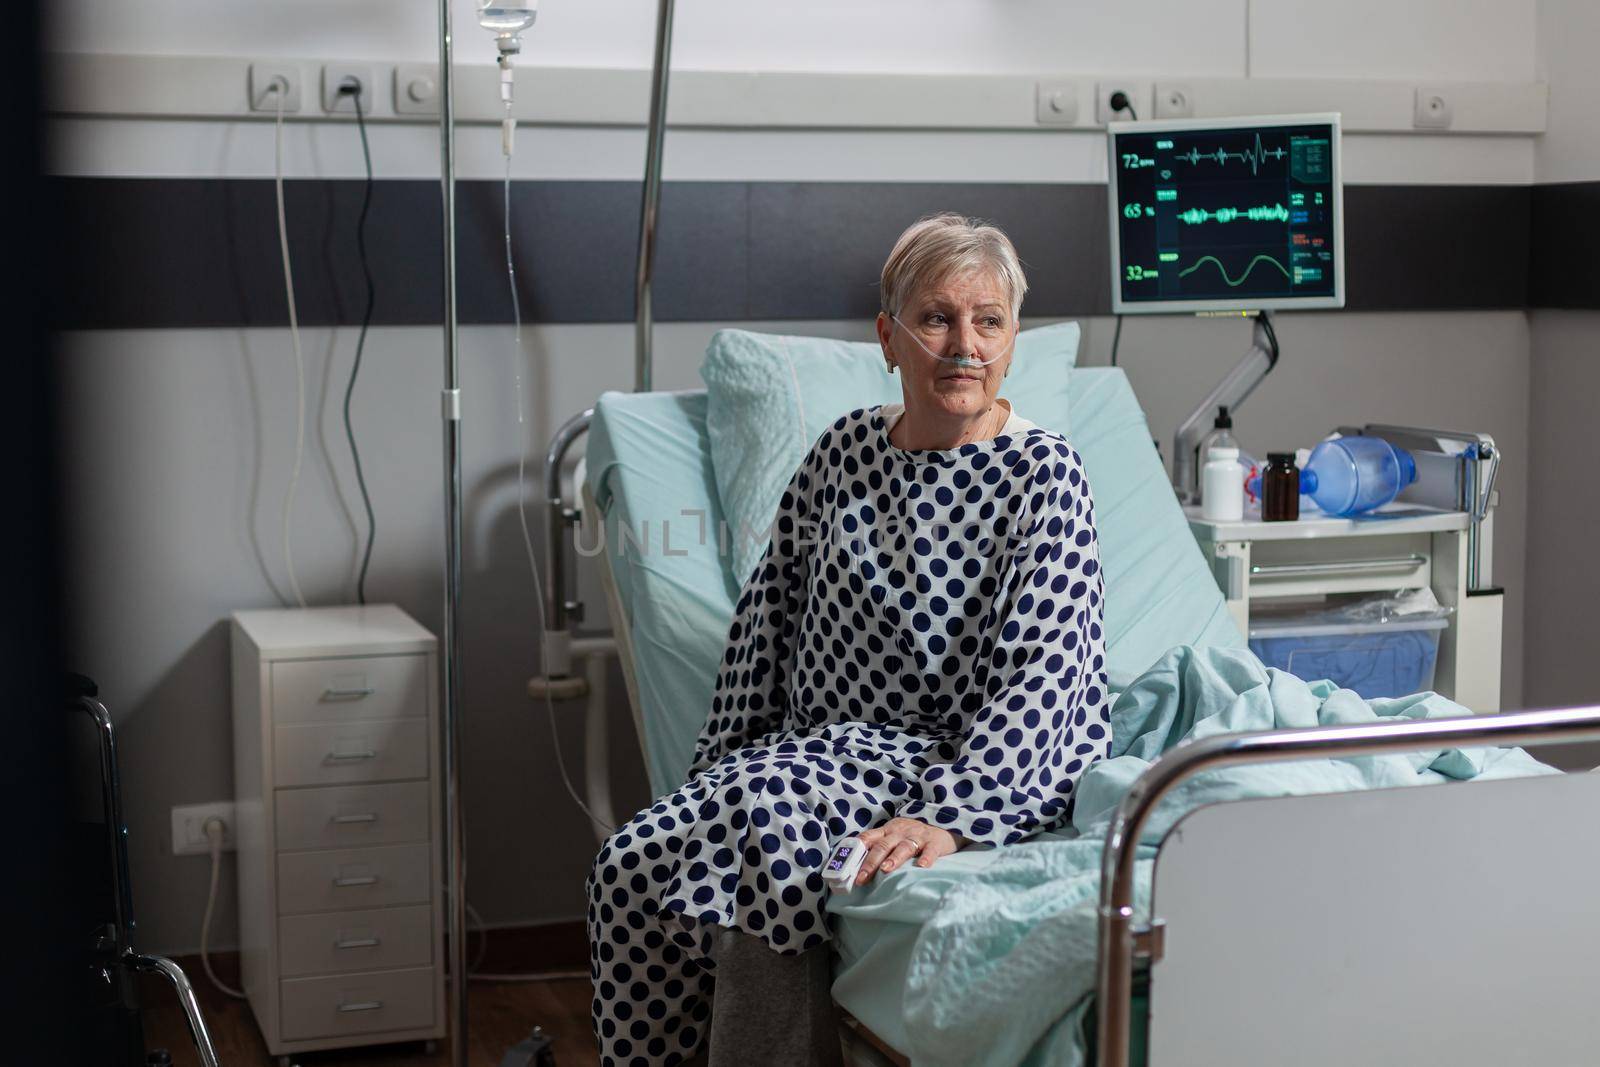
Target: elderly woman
918,660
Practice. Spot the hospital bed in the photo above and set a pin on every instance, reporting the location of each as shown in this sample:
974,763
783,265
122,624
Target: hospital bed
1390,932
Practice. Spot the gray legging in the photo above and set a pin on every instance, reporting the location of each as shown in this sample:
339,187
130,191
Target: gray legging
768,1004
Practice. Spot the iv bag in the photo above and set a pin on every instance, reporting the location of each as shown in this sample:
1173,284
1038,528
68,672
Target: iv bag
506,19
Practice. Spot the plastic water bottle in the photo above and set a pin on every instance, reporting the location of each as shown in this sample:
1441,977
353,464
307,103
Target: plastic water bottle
1350,475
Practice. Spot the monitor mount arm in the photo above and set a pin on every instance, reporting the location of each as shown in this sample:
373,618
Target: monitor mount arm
1239,383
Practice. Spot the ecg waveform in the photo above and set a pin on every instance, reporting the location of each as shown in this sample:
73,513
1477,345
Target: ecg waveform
1261,213
1231,282
1253,156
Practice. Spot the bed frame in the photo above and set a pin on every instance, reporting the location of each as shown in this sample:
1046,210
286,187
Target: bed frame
1446,924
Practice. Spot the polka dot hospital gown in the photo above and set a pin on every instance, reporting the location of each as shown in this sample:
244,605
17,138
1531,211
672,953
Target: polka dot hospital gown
922,638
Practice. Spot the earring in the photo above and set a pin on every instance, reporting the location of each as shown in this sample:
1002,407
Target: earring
889,366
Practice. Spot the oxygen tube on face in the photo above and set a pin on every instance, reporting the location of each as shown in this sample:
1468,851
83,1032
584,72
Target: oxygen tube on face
977,359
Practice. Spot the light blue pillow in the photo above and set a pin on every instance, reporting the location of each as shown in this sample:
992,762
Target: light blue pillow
769,397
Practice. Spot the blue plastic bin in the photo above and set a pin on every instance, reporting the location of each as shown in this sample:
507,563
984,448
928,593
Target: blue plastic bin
1376,659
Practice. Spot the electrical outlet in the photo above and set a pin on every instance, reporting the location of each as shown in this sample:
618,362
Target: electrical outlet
1432,109
1056,103
189,827
1138,94
1174,101
264,81
336,74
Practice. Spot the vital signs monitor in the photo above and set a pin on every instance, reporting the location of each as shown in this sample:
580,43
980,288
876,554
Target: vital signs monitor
1226,214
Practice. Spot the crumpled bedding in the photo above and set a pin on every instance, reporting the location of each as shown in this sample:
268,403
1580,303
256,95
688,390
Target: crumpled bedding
1001,972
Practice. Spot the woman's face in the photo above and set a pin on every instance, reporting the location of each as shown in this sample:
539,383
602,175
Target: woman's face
966,318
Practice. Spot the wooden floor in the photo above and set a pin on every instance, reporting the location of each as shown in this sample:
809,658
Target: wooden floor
500,1013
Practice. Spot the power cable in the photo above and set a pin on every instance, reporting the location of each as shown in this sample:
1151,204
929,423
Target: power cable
214,830
1119,102
361,342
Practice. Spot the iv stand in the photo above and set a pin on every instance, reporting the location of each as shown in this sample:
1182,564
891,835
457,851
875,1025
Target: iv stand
450,674
643,356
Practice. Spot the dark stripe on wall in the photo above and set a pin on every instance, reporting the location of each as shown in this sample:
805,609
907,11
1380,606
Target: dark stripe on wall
179,252
1410,247
1565,266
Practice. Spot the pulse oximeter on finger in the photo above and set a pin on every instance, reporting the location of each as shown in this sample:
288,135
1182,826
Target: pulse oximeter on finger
844,863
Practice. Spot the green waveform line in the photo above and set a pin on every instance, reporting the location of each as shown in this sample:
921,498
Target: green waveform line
1261,213
1224,270
1253,156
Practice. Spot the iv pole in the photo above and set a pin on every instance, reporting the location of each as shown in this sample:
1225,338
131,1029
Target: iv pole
643,310
450,674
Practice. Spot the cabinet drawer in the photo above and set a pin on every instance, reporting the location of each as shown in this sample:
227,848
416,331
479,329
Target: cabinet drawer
354,878
341,816
357,1004
336,942
331,753
348,689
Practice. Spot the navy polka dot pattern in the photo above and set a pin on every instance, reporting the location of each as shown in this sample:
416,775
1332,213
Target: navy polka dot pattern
922,638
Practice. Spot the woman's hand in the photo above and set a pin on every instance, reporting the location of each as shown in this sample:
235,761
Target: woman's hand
896,841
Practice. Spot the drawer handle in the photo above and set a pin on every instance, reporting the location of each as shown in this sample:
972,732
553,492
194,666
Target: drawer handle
1338,566
362,1005
345,883
350,757
357,942
348,694
346,820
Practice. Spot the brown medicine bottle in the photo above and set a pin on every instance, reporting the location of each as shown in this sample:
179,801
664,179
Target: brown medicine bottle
1280,488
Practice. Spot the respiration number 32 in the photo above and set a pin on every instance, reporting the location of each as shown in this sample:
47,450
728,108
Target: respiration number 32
1136,273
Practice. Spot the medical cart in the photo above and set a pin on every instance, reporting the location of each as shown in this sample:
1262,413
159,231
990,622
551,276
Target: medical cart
1438,535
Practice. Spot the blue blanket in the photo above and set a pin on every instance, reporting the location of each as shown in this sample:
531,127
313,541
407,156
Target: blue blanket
1003,967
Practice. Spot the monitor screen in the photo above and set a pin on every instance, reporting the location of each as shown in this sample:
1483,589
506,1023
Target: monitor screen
1226,215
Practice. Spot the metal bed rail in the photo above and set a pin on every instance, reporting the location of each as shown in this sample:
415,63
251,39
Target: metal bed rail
1121,940
559,519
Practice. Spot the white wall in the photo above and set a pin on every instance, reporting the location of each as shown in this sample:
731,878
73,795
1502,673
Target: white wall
1564,510
1440,39
1568,32
1436,40
178,464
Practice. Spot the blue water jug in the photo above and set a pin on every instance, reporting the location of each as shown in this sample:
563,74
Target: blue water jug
1350,475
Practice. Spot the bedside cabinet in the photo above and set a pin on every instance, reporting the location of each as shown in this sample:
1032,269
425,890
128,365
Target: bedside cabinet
336,785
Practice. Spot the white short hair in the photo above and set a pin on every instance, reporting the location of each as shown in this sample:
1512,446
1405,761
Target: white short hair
939,247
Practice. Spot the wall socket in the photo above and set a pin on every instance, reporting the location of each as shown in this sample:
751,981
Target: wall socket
335,75
189,827
264,76
1432,109
1174,100
1138,95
